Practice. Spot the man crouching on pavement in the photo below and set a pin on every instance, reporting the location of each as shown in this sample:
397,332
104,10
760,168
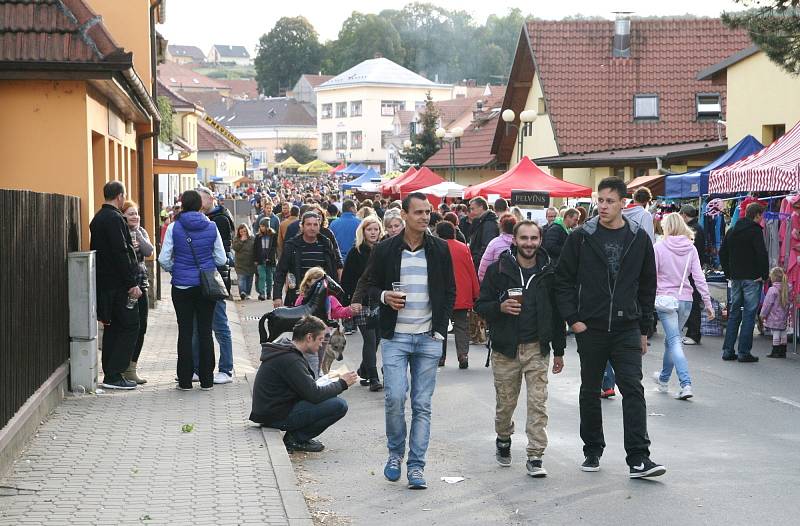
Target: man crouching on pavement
285,395
518,302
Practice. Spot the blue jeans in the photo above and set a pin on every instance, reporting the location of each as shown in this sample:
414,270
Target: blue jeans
245,284
306,420
744,293
673,321
223,334
608,377
420,353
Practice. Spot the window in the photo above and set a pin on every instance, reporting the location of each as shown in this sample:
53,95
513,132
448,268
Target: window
327,141
709,106
355,108
341,110
412,128
355,140
419,105
327,111
645,106
619,172
541,107
341,140
772,132
386,138
389,107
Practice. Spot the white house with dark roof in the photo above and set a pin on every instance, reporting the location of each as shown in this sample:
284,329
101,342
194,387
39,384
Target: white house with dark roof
226,54
185,54
356,109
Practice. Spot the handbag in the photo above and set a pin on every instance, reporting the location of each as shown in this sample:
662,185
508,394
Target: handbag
211,284
667,303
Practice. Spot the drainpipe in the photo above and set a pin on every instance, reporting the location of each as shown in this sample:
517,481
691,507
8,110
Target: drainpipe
157,129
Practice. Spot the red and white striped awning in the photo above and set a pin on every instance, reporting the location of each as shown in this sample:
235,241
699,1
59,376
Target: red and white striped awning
775,168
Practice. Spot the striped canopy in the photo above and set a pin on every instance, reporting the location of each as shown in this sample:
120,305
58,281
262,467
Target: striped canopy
775,168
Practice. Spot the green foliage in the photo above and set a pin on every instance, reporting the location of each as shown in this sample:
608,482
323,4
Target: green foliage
425,142
165,134
290,49
774,26
359,39
300,151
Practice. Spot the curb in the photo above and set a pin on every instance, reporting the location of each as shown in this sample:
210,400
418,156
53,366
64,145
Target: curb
294,504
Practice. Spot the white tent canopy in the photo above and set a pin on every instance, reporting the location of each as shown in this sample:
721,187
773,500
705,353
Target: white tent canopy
444,189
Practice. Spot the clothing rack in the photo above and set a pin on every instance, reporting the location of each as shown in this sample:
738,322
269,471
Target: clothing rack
759,198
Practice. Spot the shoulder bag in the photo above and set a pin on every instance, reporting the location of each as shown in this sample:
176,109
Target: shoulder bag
665,302
211,284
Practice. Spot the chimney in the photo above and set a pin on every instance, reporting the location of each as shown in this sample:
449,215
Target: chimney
478,111
622,35
378,54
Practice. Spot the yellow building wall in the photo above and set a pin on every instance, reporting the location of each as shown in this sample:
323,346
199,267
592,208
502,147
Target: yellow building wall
759,94
542,143
128,21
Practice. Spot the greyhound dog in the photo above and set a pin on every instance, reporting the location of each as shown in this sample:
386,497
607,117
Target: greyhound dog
334,349
283,319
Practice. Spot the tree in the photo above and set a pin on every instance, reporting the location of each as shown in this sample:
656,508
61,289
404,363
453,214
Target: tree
360,38
300,151
774,26
425,142
165,133
290,49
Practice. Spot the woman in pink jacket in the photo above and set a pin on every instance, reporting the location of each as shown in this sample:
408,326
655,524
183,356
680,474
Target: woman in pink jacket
676,260
498,245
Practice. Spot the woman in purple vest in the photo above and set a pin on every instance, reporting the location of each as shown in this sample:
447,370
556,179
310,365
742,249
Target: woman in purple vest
184,263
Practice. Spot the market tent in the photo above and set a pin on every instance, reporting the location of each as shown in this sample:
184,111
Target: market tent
772,169
348,167
289,164
654,182
358,169
695,183
337,169
315,167
387,187
525,175
367,177
445,189
423,178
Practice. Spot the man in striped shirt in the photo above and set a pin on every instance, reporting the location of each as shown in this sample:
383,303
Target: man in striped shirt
411,274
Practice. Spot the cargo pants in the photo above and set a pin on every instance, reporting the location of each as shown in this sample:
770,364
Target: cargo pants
508,374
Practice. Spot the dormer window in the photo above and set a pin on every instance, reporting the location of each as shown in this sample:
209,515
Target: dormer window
645,107
709,106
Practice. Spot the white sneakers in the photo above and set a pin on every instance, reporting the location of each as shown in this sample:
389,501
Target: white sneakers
222,378
685,393
662,386
688,341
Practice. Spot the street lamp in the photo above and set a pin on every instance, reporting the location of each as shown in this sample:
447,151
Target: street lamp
453,140
524,129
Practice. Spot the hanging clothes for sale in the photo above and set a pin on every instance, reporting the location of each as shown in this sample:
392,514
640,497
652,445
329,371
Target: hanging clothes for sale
793,260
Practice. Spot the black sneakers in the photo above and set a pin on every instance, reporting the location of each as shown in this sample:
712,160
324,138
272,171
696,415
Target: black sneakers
503,452
591,463
748,358
647,468
122,383
309,446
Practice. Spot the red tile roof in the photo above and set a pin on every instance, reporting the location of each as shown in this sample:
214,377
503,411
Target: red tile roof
55,31
316,80
209,139
589,94
242,88
176,76
175,99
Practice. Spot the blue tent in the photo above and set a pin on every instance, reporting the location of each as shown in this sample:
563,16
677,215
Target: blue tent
357,169
369,176
695,183
348,167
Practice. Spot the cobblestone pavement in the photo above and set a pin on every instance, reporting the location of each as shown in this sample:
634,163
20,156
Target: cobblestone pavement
126,458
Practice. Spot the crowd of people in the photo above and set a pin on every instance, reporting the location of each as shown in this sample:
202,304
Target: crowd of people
411,274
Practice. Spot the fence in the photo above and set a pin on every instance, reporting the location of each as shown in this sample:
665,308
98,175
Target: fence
37,231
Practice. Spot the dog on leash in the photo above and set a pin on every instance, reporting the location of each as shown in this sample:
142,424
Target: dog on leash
334,350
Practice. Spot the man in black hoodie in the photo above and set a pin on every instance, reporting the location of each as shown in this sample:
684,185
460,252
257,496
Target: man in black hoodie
484,228
744,259
605,290
285,394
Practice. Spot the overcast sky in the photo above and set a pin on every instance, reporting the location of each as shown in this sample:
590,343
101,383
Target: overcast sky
242,22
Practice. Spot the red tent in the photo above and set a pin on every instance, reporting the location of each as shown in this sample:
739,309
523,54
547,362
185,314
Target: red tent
386,188
422,179
525,175
337,169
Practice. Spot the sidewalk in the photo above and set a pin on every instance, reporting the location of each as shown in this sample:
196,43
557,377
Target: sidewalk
123,458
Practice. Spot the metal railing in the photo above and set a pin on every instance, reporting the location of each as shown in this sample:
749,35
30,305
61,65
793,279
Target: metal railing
37,231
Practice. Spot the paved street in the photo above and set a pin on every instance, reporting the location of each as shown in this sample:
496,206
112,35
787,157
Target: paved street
729,452
123,458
